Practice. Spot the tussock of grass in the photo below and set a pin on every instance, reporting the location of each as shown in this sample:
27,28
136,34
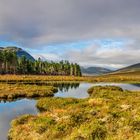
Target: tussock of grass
54,103
97,89
96,102
32,79
14,91
109,114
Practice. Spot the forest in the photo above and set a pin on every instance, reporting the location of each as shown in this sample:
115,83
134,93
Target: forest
11,64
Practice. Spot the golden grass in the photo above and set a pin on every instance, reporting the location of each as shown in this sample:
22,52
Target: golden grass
13,91
109,114
133,77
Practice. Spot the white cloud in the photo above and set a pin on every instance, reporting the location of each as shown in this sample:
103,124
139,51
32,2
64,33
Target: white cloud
109,57
35,23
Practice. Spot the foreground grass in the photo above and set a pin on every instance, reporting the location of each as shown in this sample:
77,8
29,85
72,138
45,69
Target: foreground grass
13,91
31,79
110,113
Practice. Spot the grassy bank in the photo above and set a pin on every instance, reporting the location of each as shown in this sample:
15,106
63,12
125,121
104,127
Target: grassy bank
127,77
13,91
110,113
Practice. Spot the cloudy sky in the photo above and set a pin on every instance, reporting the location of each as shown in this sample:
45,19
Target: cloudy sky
90,32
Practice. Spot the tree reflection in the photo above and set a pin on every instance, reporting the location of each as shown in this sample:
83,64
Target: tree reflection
64,87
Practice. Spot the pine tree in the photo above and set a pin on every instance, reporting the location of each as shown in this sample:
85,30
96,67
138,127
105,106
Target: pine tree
11,64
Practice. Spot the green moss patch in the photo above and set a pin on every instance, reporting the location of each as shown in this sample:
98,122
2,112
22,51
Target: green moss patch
110,113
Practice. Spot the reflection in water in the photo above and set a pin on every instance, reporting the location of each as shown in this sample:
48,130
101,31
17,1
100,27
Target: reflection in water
8,101
80,90
10,110
76,91
65,87
62,86
137,85
131,87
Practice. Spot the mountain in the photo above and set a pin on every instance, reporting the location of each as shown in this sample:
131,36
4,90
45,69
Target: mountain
20,52
129,69
41,57
94,70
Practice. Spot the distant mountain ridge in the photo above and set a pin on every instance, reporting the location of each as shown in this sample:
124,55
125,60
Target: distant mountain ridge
85,71
20,52
131,68
95,70
135,68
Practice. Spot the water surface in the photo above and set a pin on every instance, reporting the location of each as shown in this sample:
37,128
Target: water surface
11,110
132,87
79,91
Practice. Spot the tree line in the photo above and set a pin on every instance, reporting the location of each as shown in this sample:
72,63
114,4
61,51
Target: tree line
11,64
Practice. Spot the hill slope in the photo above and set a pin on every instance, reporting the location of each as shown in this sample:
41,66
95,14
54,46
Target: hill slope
20,52
94,70
130,69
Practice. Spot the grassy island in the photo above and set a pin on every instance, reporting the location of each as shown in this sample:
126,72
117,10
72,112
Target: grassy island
110,113
13,91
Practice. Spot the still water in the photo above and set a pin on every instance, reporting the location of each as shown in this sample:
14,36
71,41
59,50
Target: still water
11,110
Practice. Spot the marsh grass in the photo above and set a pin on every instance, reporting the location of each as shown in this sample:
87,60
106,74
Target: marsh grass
13,91
42,79
110,113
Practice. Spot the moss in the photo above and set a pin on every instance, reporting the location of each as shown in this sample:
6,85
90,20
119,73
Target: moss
90,131
54,103
110,113
23,119
135,124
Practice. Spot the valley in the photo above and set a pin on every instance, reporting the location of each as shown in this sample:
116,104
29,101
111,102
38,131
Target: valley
67,92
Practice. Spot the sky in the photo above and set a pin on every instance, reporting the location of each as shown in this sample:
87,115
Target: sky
90,32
